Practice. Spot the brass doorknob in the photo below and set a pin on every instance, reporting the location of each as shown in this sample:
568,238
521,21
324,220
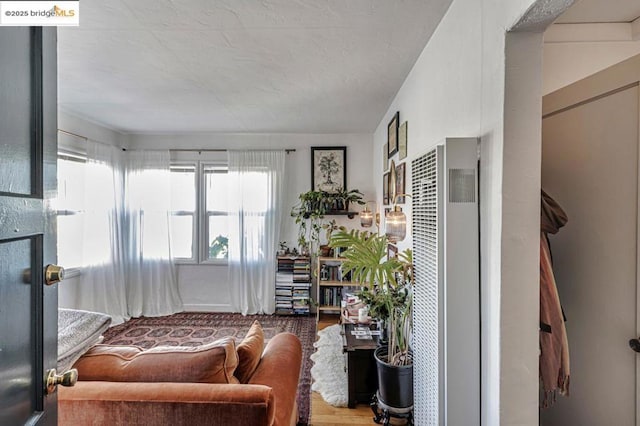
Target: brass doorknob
53,274
53,379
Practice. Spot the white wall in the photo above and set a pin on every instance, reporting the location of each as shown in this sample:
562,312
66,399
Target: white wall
205,287
458,88
82,127
575,51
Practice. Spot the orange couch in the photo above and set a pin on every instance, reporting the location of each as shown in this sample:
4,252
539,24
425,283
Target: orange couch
269,397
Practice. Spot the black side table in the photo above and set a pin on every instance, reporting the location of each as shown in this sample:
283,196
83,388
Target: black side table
362,372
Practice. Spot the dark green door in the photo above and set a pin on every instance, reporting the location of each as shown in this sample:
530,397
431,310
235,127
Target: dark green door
28,307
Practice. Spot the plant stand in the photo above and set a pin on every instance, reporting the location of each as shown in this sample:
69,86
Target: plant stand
383,413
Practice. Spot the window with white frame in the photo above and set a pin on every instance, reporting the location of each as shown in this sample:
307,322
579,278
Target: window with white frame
184,211
216,212
70,209
199,225
199,211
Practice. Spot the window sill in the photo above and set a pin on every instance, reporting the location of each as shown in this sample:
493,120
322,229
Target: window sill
203,263
185,262
215,262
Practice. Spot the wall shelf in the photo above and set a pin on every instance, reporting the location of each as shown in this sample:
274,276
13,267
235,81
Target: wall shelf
349,214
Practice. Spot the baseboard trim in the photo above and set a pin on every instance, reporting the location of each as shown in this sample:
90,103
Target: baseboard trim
208,308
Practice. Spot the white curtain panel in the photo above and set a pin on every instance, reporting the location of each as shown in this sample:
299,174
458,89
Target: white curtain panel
256,182
102,281
152,287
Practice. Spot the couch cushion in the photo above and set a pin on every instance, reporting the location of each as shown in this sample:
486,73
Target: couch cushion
250,352
211,363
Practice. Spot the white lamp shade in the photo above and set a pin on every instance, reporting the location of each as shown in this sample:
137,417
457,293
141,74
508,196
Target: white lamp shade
396,226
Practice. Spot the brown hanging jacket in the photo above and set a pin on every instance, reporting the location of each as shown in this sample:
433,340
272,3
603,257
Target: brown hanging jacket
554,346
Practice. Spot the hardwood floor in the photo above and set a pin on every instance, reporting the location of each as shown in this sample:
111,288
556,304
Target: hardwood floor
323,414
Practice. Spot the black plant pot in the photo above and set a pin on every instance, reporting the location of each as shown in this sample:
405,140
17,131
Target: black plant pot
395,383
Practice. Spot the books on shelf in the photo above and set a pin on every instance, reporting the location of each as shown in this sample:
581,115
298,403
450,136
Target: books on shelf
330,272
335,295
300,293
282,277
292,284
283,292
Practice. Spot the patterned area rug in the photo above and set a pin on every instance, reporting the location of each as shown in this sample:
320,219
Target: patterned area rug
195,328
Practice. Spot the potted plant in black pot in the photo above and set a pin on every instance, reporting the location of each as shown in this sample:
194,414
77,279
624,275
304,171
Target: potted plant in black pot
387,292
343,198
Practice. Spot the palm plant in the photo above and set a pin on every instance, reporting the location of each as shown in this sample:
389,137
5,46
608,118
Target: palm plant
387,285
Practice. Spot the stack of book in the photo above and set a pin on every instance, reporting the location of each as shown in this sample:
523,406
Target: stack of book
284,302
293,280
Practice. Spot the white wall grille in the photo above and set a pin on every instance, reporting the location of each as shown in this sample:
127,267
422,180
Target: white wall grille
446,340
426,240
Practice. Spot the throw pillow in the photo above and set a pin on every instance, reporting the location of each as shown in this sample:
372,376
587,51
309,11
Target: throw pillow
250,352
211,363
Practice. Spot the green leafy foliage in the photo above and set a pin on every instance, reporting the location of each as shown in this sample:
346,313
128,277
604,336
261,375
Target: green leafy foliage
386,285
219,248
366,257
310,210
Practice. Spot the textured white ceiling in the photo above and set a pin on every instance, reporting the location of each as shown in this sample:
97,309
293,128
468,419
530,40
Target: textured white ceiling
307,66
591,11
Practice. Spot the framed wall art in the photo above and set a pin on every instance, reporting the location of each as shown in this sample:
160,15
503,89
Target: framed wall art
402,141
385,157
400,183
392,135
385,188
392,182
329,168
392,251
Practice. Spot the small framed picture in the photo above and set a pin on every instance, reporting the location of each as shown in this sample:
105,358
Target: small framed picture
392,135
385,188
402,141
385,157
392,251
400,185
329,168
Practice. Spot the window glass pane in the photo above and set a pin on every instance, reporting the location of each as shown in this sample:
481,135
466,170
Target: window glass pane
216,189
183,188
218,238
181,236
70,205
70,185
70,241
254,195
183,199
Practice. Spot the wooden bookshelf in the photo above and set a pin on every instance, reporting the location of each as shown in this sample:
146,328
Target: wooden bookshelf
335,283
331,285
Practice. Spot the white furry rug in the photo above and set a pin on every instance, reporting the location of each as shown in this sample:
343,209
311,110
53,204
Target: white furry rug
328,372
